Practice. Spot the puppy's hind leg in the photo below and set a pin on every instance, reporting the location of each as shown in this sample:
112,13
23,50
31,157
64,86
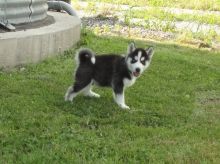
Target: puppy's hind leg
70,94
76,89
87,91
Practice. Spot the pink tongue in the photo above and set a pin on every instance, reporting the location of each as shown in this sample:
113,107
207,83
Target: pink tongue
136,74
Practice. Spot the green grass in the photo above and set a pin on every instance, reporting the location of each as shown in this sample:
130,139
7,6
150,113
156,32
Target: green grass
174,116
164,15
191,4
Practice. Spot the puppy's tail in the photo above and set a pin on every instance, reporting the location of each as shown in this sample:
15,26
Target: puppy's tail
85,55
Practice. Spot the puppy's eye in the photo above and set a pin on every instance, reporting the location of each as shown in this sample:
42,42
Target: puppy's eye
133,60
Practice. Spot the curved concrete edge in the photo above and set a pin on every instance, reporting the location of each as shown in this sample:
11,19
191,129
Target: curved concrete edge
34,45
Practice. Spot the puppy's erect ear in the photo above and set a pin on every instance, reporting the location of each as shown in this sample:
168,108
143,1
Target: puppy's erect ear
150,51
131,47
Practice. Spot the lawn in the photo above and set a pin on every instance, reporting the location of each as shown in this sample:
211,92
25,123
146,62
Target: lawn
190,4
155,13
174,116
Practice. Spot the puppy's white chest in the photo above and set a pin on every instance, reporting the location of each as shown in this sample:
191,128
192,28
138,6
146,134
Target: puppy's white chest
129,82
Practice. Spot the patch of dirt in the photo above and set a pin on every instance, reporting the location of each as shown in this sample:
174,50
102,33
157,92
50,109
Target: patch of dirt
113,26
208,102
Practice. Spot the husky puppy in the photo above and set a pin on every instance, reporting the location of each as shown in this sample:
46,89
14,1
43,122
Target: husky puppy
109,70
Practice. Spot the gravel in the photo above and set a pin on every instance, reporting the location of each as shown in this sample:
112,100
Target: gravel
115,26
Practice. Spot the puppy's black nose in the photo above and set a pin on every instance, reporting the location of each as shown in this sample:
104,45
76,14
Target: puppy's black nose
138,70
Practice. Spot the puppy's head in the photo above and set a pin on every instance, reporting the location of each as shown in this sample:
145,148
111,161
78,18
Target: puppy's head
138,59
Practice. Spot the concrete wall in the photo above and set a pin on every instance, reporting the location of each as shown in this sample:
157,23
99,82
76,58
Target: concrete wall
34,45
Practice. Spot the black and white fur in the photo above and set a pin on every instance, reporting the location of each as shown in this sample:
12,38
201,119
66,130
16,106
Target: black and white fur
109,70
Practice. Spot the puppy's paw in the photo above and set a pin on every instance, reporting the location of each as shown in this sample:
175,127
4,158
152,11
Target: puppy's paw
66,98
92,94
123,106
69,97
69,94
95,95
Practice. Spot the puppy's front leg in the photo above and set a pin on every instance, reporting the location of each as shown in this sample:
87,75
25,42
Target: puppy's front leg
118,88
120,100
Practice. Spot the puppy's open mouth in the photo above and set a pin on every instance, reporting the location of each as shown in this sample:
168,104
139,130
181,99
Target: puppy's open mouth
136,74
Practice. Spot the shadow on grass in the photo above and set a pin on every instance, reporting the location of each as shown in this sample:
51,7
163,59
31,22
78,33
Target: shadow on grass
84,106
94,113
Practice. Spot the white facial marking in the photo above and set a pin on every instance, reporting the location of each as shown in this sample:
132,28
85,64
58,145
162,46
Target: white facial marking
136,57
139,54
138,64
132,66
